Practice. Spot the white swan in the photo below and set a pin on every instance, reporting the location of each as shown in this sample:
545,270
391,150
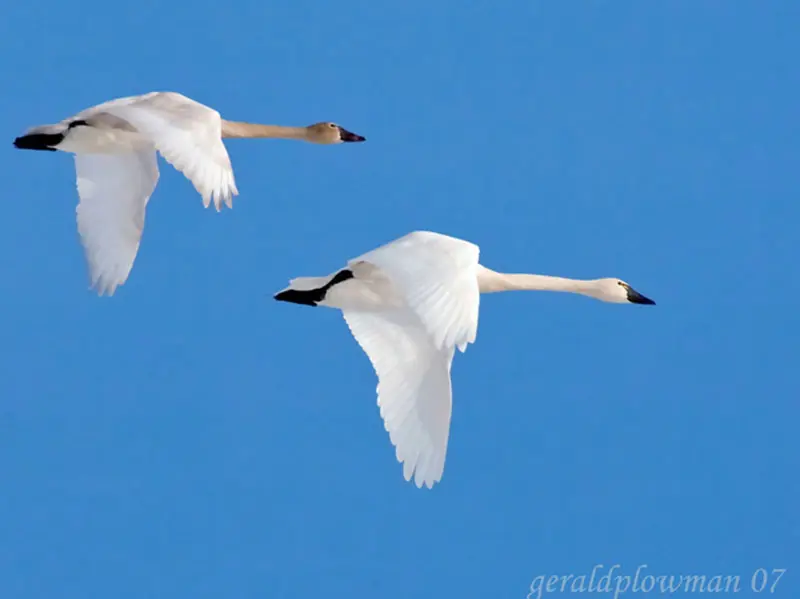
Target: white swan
409,304
115,146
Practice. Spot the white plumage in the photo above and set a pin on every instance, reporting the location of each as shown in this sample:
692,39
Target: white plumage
430,307
410,304
115,145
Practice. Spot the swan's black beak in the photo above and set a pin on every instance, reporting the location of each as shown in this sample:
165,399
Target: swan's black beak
635,297
346,135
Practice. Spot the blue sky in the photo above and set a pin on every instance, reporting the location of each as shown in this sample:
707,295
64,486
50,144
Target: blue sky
190,437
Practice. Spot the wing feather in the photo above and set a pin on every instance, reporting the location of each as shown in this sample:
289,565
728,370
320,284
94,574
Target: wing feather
188,136
414,393
114,190
437,277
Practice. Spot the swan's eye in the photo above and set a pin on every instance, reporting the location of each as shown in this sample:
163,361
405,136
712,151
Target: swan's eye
331,125
620,283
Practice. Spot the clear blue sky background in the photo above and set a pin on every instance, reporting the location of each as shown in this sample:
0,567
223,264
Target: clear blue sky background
192,438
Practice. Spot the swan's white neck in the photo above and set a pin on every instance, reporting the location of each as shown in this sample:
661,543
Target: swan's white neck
490,281
254,130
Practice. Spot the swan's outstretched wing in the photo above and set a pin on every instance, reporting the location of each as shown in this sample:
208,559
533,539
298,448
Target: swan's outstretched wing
437,277
414,392
187,134
114,190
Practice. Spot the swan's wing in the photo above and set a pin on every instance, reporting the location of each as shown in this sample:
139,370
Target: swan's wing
437,278
114,190
414,392
188,136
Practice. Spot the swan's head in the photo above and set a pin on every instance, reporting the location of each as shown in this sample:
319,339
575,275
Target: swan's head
617,292
331,133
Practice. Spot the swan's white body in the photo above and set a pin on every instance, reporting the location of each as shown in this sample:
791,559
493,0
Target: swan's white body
115,146
409,304
117,171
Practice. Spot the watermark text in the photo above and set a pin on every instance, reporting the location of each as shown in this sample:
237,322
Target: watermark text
613,581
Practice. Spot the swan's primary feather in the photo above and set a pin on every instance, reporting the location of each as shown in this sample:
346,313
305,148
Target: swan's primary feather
430,293
414,392
188,136
437,277
114,190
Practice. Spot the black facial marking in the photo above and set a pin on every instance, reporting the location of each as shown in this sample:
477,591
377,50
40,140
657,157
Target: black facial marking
348,136
635,297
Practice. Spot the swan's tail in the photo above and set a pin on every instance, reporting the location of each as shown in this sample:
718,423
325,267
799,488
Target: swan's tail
44,137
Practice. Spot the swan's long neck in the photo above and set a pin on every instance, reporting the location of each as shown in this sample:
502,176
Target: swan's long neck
253,130
490,281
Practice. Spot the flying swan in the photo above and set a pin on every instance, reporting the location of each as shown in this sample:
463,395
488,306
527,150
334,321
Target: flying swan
409,304
115,145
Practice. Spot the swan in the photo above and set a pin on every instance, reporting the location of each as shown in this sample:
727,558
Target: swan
409,304
115,145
